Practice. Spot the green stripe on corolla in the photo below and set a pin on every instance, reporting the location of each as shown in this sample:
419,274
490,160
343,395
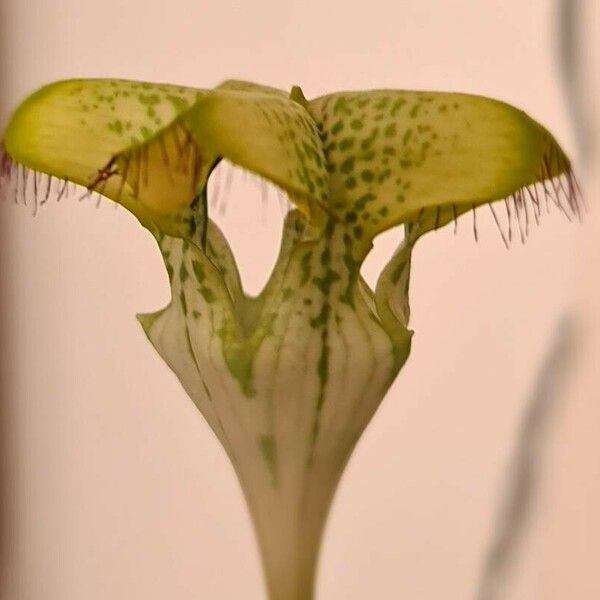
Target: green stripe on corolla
287,380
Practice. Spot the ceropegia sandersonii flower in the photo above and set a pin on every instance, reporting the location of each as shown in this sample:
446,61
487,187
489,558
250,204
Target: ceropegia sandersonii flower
288,380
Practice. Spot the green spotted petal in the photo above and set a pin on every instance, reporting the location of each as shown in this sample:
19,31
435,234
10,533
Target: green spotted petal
268,134
151,147
77,129
398,157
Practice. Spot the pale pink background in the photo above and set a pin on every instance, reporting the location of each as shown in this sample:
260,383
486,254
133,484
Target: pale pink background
116,488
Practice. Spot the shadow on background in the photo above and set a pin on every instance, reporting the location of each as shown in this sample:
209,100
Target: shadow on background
517,508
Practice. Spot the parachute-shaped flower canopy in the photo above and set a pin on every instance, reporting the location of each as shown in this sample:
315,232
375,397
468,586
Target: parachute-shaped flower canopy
370,159
288,380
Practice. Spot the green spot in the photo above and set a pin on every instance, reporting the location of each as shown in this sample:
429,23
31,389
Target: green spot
324,283
341,105
183,302
367,175
146,132
198,271
268,449
356,124
347,143
178,102
183,273
305,265
207,294
398,104
363,200
384,175
323,372
414,111
347,165
321,319
117,127
370,155
367,142
239,361
390,130
381,104
149,99
350,183
339,125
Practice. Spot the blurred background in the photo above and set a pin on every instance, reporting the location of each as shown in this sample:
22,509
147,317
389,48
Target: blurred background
479,478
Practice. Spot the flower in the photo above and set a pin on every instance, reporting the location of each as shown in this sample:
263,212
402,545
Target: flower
290,379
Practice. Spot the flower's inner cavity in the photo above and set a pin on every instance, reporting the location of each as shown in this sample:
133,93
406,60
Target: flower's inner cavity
384,246
249,211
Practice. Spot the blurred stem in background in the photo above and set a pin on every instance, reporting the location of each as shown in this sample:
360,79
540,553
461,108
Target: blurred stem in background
575,62
571,53
524,471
